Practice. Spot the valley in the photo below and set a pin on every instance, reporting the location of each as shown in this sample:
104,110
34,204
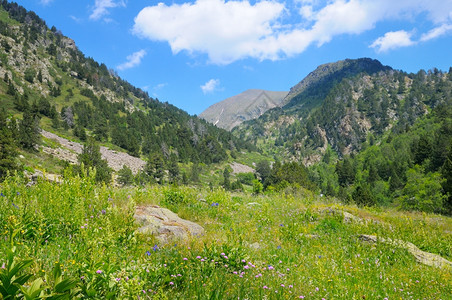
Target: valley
339,188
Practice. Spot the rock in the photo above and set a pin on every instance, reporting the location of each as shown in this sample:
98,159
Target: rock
348,218
165,224
423,257
255,246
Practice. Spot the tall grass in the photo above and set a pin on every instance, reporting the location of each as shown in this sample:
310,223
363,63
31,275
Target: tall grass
277,246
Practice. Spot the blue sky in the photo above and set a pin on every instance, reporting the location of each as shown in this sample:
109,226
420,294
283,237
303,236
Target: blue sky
196,53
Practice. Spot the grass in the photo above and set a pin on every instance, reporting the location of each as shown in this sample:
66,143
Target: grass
280,246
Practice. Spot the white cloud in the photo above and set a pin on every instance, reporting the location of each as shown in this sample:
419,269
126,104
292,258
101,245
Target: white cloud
393,40
75,19
227,31
210,86
46,2
133,60
101,7
436,32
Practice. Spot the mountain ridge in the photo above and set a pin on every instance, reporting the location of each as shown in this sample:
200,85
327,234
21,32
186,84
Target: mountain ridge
247,105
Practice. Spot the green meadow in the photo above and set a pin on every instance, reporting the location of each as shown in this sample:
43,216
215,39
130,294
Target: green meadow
76,239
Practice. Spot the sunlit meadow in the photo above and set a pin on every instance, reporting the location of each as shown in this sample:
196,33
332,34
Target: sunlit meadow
78,240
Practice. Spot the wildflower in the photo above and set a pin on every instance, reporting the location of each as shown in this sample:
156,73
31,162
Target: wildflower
265,287
18,193
15,206
144,292
202,259
198,257
118,279
103,211
279,247
222,254
1,194
282,285
270,267
82,227
246,267
316,289
155,248
243,261
301,297
235,272
148,253
225,257
185,258
99,271
179,275
171,283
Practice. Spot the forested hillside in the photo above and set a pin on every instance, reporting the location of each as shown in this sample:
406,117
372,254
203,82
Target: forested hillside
382,139
46,81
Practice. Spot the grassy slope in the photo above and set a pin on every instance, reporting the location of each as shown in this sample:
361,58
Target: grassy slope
288,244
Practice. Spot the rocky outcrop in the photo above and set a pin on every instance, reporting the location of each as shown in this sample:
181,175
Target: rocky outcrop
422,257
70,150
165,224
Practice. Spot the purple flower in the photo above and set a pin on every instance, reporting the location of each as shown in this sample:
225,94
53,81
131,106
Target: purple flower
246,267
185,258
155,248
148,253
118,279
171,283
270,267
265,287
198,257
99,271
103,211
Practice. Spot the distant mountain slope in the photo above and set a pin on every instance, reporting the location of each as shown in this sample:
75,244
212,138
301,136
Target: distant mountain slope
248,105
43,73
341,106
317,84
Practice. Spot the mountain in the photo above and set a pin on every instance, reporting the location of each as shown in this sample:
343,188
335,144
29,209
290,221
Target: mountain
248,105
282,130
47,82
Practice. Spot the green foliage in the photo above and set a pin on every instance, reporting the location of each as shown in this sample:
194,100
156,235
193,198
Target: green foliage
423,192
125,176
363,196
8,147
91,162
246,178
257,187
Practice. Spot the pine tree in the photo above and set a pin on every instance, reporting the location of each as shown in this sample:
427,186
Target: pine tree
446,172
173,170
92,158
226,179
8,151
29,131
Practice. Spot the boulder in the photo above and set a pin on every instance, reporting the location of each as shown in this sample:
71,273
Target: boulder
165,224
423,257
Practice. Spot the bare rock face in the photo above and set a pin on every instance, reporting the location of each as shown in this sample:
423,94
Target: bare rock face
165,224
422,257
248,105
